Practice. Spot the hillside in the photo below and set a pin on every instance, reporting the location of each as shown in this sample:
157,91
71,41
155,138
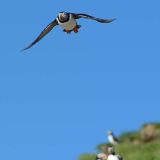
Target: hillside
141,145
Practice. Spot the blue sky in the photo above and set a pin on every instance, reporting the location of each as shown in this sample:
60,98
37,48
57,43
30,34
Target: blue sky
59,98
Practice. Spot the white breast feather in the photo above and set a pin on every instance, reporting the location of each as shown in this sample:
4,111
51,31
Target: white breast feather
69,25
112,157
110,138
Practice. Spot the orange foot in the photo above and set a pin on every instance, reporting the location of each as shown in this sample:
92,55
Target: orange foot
75,29
67,31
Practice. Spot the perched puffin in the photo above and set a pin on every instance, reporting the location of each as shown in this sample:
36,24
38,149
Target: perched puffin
68,22
112,139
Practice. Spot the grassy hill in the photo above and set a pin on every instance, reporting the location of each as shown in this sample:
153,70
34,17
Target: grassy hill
141,145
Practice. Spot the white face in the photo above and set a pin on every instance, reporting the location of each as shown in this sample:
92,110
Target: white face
109,132
67,24
110,150
63,16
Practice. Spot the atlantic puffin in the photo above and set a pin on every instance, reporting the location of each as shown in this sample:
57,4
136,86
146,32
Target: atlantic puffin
68,21
112,155
112,139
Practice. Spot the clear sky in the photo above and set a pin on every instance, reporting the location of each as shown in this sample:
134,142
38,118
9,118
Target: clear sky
59,98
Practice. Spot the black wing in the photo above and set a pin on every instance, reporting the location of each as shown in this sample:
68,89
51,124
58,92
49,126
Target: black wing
120,157
43,33
81,15
115,138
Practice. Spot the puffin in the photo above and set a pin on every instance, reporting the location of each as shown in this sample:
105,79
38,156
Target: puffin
68,22
112,139
112,154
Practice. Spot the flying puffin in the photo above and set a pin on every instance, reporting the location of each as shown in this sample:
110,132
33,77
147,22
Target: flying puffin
68,21
112,139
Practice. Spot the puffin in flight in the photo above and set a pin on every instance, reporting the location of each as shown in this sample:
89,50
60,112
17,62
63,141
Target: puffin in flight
68,21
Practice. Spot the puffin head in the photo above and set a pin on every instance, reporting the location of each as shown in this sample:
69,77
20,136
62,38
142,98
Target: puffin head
110,133
63,16
111,150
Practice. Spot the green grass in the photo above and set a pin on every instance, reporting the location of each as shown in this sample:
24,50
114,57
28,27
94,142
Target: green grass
143,151
132,147
87,157
129,137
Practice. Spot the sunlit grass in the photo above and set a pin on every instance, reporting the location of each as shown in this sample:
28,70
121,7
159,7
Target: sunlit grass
133,147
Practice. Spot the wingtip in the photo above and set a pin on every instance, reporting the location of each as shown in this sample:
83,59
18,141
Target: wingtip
114,19
108,20
22,50
26,48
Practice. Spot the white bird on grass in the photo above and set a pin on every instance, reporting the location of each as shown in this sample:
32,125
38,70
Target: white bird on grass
112,139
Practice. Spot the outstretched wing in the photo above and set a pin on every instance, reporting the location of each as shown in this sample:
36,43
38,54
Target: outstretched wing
43,33
81,15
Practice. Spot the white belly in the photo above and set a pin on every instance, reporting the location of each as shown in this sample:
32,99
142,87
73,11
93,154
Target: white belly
111,140
112,157
69,25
